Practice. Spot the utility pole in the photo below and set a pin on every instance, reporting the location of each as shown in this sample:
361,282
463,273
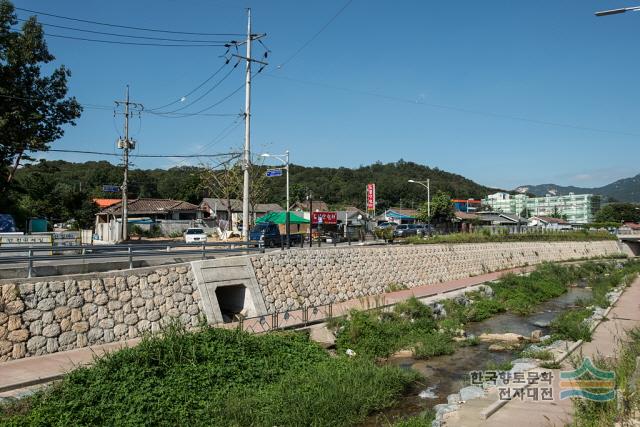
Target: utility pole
126,144
246,154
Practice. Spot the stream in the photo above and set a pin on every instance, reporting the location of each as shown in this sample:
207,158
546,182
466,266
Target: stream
444,375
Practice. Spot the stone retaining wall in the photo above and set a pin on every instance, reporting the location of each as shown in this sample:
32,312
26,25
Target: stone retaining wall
290,280
46,315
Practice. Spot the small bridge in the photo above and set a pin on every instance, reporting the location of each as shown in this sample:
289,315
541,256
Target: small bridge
630,239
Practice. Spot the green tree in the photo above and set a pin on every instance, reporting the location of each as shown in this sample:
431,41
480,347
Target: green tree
441,209
525,213
618,212
35,106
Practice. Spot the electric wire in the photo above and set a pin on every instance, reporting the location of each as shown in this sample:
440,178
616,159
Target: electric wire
215,73
454,108
98,153
204,94
315,36
131,43
45,24
155,30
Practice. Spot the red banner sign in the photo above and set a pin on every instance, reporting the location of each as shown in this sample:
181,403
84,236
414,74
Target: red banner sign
324,217
371,197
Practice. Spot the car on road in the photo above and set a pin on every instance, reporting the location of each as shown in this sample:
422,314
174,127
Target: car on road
424,229
195,235
269,234
405,230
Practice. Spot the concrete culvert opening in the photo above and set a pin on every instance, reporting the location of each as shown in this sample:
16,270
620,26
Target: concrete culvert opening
234,302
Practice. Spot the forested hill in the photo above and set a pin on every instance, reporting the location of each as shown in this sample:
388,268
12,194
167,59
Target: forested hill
59,189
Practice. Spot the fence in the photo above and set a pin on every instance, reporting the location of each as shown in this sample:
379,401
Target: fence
16,254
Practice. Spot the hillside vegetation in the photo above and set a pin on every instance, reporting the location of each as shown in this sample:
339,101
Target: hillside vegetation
60,190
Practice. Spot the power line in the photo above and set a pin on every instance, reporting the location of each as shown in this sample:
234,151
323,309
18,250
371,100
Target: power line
217,139
98,153
132,43
155,30
453,108
320,31
215,73
204,94
110,108
127,35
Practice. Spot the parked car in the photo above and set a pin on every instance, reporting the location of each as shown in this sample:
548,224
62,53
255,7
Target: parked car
424,229
405,230
195,235
385,224
269,234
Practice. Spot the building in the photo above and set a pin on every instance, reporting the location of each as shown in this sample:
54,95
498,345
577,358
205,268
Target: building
549,223
576,208
172,216
466,205
218,209
398,215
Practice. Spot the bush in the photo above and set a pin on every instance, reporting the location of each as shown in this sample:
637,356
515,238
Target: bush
423,420
215,377
571,325
434,344
483,309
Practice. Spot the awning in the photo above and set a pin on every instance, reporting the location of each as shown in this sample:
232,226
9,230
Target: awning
281,218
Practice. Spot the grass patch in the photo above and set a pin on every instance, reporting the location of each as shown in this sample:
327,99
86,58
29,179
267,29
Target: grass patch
538,354
434,344
498,366
595,414
216,377
571,325
423,420
551,364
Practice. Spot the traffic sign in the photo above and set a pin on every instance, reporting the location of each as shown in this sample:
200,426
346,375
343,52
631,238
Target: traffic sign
273,172
111,188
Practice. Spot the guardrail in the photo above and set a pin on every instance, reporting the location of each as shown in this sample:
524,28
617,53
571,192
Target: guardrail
128,251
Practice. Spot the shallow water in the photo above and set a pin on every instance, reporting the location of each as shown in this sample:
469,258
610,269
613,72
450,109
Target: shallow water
444,375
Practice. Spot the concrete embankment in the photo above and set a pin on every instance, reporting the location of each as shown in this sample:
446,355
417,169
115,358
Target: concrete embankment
45,315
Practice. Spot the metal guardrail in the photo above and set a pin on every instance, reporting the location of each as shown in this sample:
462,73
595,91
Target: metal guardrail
128,251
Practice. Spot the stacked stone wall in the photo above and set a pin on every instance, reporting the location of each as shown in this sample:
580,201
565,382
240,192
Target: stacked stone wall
46,315
291,280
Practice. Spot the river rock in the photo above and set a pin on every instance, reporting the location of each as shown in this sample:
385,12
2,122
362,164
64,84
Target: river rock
322,336
428,393
536,335
508,337
541,323
471,392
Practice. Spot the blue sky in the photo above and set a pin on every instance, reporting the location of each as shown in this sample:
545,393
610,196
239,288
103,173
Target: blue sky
440,83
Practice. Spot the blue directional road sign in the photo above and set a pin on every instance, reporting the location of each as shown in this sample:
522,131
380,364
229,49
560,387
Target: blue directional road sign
111,188
273,172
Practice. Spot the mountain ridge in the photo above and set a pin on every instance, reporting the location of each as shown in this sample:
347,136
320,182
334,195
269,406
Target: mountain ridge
622,190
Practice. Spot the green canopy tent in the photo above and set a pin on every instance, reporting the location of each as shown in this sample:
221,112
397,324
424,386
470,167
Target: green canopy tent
281,218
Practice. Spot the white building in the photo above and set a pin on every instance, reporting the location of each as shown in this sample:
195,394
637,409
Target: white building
577,208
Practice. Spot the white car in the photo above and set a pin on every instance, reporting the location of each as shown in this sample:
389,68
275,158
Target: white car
195,235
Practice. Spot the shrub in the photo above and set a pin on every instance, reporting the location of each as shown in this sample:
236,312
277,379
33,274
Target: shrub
434,344
216,377
423,420
571,325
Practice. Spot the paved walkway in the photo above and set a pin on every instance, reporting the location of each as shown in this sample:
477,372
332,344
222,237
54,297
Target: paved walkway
606,342
22,373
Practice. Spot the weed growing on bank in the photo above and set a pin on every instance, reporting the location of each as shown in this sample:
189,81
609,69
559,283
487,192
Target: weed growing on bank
423,420
564,236
619,411
216,377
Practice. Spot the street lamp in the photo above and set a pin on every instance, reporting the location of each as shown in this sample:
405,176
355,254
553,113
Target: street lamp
618,11
284,158
425,184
